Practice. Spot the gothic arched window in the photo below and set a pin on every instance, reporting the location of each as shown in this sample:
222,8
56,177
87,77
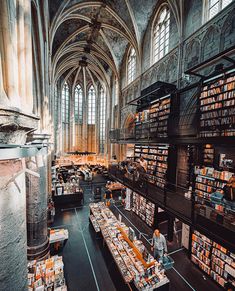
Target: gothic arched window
161,31
91,105
131,66
102,128
213,7
65,103
78,103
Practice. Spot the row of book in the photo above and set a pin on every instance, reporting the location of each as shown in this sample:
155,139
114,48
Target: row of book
217,105
212,123
156,157
221,97
220,85
227,132
143,208
217,108
213,259
210,172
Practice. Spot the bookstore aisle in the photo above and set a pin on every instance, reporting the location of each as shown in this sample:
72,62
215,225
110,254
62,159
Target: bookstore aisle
89,265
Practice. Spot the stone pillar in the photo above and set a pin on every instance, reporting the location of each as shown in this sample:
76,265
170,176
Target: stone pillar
36,193
13,246
37,174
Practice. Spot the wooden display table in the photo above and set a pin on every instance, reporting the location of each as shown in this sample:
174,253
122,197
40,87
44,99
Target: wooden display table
71,198
58,239
137,273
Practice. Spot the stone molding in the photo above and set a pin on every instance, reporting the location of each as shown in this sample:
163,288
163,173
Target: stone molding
14,125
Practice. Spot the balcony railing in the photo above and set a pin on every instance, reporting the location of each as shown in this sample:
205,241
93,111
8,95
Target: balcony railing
122,134
173,200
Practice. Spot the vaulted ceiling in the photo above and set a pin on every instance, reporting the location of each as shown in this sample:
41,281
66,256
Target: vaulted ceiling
95,35
90,38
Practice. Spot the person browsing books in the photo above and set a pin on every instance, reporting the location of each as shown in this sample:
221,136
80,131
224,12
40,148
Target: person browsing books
143,163
159,246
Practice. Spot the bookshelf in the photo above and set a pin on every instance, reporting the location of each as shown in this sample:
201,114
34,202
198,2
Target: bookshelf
153,121
142,124
207,181
201,251
158,117
144,209
217,107
215,260
208,155
156,157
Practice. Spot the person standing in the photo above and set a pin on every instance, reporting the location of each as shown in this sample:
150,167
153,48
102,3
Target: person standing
159,246
143,163
108,196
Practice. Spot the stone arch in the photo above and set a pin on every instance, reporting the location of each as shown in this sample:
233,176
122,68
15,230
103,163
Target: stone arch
172,69
162,72
228,32
210,43
192,54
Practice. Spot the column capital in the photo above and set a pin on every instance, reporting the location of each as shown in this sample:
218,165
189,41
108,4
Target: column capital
15,124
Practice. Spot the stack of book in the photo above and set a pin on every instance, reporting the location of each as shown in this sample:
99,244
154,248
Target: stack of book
58,235
46,275
129,254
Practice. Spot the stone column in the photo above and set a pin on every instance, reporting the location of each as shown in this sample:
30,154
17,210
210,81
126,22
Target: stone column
13,241
36,193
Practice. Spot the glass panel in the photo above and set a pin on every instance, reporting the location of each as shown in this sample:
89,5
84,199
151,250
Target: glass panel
102,128
78,103
91,106
215,6
225,3
131,66
161,34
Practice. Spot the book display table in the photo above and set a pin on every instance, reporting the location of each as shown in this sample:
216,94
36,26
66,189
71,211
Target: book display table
46,275
71,198
57,240
139,270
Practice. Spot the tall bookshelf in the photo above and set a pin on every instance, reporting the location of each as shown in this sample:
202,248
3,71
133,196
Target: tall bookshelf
142,124
144,209
156,157
153,121
215,260
217,107
158,117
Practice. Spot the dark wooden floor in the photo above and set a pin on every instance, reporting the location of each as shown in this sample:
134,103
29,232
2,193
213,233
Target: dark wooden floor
89,266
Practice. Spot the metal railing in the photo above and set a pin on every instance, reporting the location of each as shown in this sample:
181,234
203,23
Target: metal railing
168,198
172,199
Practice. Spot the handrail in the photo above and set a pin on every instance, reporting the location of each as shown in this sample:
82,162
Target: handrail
136,251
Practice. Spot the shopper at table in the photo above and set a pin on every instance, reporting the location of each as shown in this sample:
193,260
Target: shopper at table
159,246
